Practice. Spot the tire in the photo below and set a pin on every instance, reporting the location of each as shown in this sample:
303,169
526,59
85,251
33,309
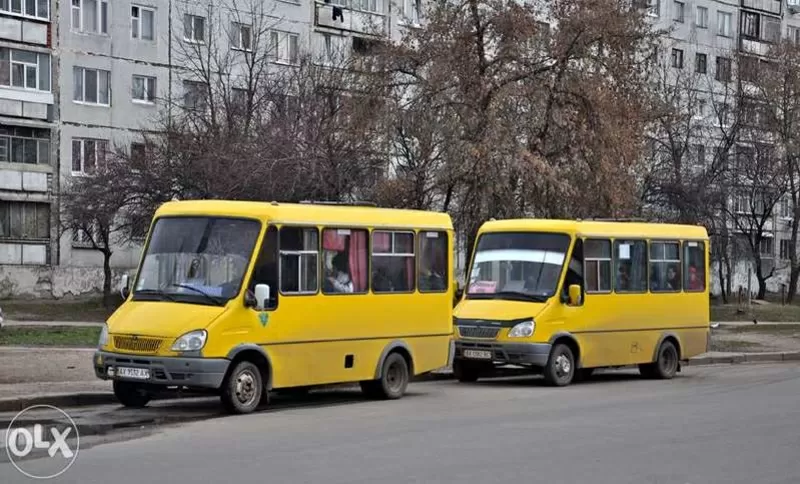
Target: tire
560,368
465,372
242,389
667,362
393,381
131,394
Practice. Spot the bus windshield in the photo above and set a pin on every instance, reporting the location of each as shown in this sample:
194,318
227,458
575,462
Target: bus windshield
199,260
524,266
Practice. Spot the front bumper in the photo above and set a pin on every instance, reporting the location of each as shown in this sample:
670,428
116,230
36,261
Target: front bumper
531,354
166,371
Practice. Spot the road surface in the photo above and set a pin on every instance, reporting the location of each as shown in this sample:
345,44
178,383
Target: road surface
721,424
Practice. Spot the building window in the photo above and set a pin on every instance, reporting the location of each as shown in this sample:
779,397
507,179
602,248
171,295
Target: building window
374,6
242,36
412,11
138,152
143,23
25,145
24,70
299,260
678,11
665,267
144,89
86,236
794,34
433,262
393,262
750,25
345,258
24,220
654,7
767,247
87,154
677,58
194,28
701,63
195,95
702,17
334,49
91,86
724,24
597,262
283,47
771,29
90,16
723,73
28,8
784,249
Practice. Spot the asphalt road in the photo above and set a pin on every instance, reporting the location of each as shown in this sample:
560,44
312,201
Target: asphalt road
722,424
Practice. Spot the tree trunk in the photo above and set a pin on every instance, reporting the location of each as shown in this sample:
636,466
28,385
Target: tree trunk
722,287
107,279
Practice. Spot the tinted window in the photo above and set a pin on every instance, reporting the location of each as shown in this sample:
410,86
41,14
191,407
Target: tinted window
433,262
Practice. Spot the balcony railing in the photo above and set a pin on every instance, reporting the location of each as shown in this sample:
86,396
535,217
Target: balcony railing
771,6
344,18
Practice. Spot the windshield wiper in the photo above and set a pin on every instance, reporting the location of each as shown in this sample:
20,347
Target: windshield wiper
209,296
154,292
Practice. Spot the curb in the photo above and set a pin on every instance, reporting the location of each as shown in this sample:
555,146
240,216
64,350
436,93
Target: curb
80,399
745,358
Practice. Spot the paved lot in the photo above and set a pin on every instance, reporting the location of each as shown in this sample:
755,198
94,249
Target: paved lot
717,424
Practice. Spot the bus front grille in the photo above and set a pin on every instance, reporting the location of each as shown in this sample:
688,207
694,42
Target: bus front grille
478,332
136,344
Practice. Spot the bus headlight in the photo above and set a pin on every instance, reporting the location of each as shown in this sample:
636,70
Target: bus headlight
522,330
103,339
191,341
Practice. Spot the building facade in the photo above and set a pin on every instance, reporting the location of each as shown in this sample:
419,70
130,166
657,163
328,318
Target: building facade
81,78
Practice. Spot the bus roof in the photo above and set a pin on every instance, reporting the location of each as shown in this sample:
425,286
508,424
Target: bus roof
590,228
316,214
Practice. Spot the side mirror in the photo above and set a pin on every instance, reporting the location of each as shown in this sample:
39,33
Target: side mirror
262,296
574,295
124,289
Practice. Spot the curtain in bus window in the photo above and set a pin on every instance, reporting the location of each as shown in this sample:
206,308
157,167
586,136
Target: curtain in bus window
358,260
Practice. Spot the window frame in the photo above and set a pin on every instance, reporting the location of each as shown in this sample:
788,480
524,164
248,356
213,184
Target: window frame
299,253
238,36
275,53
684,247
610,260
83,100
677,58
102,27
41,58
257,252
651,261
97,157
368,289
419,260
724,24
679,6
615,267
146,90
372,254
697,64
698,17
137,33
23,205
192,36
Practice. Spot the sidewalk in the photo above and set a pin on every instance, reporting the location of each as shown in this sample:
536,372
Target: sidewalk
52,323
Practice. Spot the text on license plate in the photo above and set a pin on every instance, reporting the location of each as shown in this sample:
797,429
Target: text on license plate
482,355
138,373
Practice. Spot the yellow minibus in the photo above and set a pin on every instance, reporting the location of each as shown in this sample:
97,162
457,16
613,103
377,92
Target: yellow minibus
241,298
566,297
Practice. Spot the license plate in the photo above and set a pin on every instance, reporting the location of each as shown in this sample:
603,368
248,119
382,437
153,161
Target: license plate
137,373
478,354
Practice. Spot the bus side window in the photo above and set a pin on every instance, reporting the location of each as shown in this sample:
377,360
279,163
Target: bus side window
598,266
630,259
694,263
665,267
574,269
266,268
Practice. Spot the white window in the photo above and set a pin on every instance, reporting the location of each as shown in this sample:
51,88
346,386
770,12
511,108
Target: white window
767,247
27,8
143,23
334,49
242,36
87,154
654,7
90,16
25,145
785,249
724,24
24,70
368,5
91,86
786,208
194,28
702,17
283,47
81,238
412,10
195,95
794,34
144,89
678,11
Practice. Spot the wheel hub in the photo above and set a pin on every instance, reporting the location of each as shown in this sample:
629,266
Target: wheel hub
245,387
563,365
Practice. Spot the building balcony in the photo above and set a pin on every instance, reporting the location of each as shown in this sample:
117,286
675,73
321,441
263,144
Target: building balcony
754,47
771,6
347,19
15,29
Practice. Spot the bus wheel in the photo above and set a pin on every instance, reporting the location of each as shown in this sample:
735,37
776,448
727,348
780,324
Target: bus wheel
560,368
465,372
667,362
131,394
242,389
393,381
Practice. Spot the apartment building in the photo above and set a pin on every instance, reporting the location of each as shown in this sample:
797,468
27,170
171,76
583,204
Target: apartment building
704,37
81,77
